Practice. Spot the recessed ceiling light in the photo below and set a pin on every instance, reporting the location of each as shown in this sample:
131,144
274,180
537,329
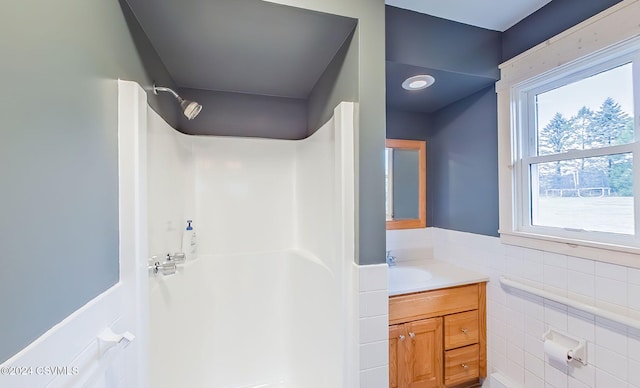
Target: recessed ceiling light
418,82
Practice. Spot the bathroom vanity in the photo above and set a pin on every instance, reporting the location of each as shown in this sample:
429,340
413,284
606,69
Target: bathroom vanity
437,325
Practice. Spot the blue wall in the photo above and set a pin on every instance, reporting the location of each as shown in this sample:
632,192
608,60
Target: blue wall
463,168
59,155
435,43
462,152
407,125
548,21
422,40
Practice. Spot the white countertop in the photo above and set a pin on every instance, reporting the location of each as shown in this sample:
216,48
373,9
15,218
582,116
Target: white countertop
424,275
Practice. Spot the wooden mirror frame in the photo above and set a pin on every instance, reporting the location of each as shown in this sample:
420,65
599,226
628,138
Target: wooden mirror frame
421,147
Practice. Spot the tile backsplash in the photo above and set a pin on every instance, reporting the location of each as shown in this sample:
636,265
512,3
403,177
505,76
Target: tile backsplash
374,326
516,320
410,244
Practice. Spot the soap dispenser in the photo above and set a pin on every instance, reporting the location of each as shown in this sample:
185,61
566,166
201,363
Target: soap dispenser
189,246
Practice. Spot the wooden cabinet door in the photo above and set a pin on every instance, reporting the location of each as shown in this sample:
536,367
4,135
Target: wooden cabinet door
395,346
423,354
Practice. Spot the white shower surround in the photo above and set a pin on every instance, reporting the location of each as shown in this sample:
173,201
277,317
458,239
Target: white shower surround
269,302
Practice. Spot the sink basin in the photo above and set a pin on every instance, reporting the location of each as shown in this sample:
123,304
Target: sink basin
407,275
428,274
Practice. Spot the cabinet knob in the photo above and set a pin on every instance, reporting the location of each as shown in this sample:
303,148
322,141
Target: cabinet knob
401,337
464,366
465,331
412,335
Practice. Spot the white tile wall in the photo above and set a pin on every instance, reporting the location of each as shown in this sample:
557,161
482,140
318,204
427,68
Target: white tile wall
375,377
581,265
374,326
634,275
409,238
634,296
410,244
516,320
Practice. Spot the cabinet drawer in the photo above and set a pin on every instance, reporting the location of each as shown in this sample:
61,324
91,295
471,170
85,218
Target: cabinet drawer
461,365
405,308
460,329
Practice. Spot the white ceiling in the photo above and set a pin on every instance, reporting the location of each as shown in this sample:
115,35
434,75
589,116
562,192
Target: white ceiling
497,15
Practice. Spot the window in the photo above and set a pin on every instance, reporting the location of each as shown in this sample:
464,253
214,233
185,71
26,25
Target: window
569,141
576,145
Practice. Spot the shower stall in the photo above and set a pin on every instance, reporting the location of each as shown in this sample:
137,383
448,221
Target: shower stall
269,299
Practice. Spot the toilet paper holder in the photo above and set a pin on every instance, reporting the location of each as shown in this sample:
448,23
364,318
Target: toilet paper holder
577,347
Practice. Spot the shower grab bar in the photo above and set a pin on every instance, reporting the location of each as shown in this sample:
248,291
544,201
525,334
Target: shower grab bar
598,311
169,265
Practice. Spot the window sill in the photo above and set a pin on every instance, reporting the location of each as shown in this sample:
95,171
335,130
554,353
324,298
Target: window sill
610,253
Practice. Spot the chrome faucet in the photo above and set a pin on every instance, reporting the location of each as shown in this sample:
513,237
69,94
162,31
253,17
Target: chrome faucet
169,265
391,260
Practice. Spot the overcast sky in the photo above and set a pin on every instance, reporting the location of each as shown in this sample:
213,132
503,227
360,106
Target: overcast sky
590,92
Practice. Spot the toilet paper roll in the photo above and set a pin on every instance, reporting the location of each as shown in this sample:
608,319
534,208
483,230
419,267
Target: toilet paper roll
557,352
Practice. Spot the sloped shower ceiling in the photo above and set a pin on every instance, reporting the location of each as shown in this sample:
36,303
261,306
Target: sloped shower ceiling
254,50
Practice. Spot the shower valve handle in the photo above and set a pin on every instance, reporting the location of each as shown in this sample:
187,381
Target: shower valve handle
167,268
177,258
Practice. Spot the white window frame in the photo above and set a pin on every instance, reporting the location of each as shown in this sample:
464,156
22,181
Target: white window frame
526,143
603,42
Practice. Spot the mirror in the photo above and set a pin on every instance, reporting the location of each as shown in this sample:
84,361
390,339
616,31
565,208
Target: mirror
405,184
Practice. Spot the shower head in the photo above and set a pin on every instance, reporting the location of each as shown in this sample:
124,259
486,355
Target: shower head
189,108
